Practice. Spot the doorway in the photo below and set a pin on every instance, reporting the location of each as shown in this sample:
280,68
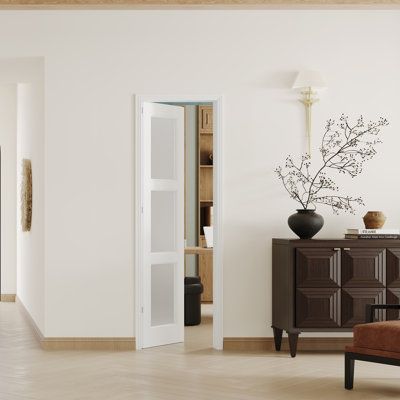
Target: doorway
150,189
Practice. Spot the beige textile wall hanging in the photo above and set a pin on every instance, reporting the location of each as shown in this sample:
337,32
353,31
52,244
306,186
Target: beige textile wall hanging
26,195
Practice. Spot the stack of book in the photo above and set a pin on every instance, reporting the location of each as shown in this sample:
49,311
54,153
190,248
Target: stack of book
372,234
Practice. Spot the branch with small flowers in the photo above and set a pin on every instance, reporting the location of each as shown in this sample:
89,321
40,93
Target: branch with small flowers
344,148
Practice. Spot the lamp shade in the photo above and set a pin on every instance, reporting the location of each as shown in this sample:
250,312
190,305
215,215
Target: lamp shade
307,79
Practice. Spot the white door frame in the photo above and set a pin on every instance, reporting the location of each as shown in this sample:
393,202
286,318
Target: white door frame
217,190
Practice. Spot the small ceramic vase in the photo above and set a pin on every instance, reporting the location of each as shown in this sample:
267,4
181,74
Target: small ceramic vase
374,219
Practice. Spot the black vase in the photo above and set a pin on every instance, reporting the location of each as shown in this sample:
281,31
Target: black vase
305,223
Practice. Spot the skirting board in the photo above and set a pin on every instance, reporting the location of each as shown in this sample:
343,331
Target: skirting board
95,343
304,344
77,343
8,298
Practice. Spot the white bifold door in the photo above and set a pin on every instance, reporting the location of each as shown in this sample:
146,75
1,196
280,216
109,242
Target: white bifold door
163,224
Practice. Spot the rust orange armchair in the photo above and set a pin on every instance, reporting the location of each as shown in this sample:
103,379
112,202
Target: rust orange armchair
377,342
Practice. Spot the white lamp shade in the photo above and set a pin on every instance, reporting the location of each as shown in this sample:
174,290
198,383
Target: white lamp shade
306,79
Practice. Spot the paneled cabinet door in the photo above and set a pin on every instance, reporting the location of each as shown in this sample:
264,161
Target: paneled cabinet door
318,308
363,268
317,267
393,268
392,297
354,301
393,281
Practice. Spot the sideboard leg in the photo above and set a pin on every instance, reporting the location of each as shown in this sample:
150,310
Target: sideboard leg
277,337
293,336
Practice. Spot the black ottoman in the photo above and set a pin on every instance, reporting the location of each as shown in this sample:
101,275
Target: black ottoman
193,291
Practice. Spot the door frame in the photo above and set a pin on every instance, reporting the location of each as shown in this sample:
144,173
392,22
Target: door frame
217,101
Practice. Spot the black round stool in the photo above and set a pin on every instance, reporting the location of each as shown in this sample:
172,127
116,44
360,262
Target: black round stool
193,291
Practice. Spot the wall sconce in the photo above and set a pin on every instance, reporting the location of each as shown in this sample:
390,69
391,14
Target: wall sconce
309,82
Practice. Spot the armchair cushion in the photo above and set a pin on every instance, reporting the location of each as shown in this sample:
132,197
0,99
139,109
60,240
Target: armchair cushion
380,336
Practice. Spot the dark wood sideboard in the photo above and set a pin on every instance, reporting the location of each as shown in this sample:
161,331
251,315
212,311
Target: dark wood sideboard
324,285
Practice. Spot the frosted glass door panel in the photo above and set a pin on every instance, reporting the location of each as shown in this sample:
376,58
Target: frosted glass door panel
163,224
162,294
163,148
163,221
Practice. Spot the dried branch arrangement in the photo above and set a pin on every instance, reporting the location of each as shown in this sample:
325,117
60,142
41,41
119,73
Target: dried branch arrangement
345,148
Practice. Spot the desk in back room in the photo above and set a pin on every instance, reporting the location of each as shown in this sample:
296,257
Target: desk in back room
206,270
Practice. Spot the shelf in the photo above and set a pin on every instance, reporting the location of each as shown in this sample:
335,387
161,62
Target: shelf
204,197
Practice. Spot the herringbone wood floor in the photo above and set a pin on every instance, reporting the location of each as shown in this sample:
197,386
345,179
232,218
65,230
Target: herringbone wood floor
191,371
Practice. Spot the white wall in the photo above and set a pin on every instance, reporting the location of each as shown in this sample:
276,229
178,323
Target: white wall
8,145
95,61
26,111
30,145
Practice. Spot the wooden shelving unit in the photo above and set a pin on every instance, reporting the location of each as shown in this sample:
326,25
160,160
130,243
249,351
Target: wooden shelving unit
205,193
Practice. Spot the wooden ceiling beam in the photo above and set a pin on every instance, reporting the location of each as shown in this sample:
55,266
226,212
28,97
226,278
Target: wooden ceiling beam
274,4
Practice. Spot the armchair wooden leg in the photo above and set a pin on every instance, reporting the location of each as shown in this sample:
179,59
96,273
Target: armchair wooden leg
277,337
348,371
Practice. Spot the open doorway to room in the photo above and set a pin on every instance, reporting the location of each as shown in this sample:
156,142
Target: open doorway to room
178,175
199,222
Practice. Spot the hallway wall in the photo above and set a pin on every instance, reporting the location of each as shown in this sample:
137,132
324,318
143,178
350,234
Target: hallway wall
31,246
23,76
8,221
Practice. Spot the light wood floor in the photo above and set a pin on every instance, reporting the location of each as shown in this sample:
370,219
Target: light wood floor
187,371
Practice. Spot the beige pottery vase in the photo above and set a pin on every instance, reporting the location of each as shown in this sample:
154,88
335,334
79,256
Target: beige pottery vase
374,219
